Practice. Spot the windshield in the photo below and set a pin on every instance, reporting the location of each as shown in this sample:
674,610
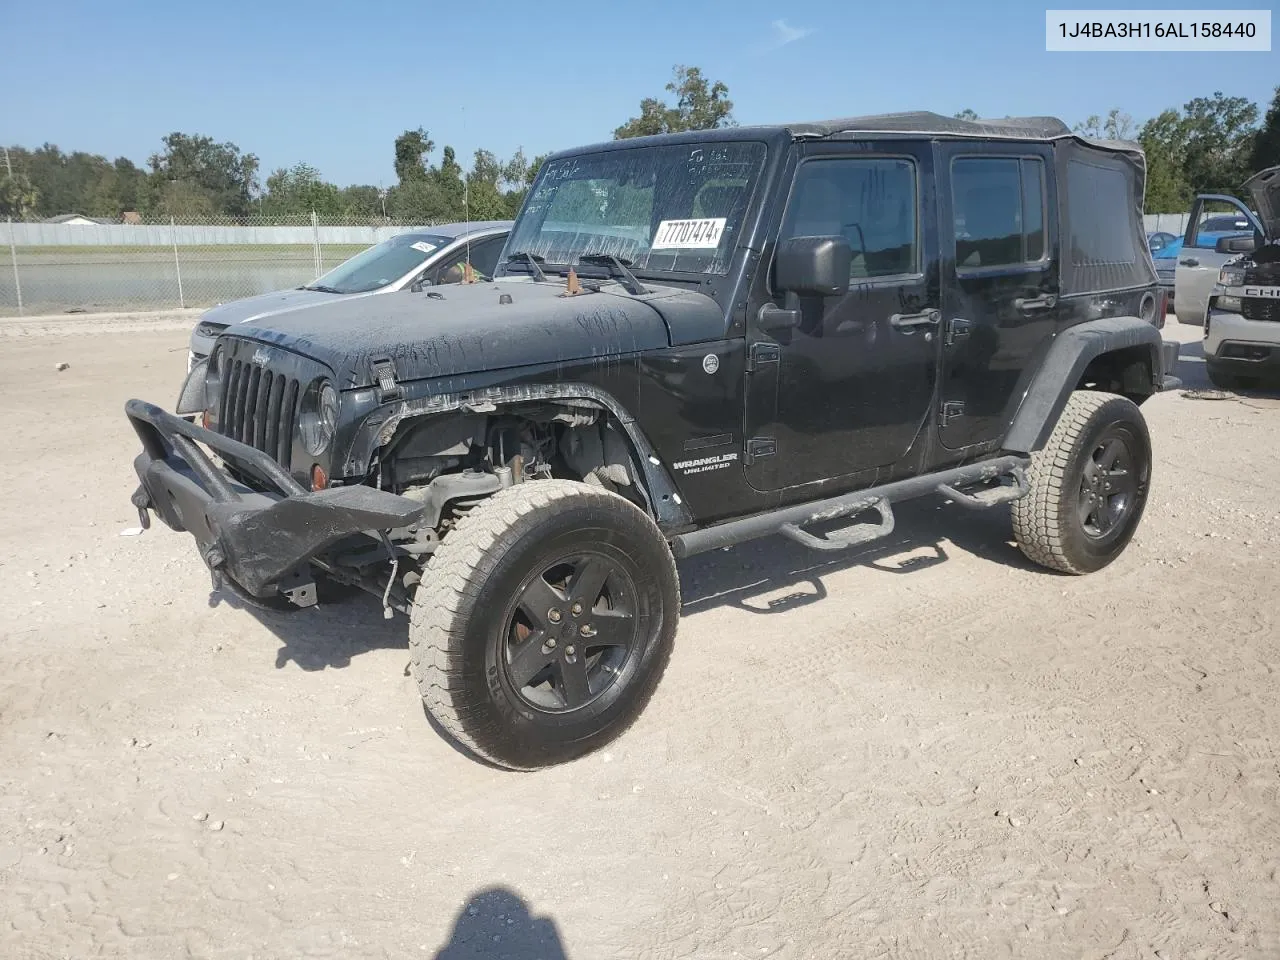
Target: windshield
674,208
381,264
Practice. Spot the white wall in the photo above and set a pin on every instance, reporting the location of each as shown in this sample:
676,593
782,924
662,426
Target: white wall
150,235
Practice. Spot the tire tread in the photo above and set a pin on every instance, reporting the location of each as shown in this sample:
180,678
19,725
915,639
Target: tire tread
450,587
1038,519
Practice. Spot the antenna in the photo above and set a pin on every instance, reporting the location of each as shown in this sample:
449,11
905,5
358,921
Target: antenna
468,274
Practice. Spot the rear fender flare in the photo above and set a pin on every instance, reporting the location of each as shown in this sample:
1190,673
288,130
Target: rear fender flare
1070,355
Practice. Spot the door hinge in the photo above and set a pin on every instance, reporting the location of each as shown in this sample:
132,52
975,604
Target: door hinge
957,330
951,410
762,352
758,447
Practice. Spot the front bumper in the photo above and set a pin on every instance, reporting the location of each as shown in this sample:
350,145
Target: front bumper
257,538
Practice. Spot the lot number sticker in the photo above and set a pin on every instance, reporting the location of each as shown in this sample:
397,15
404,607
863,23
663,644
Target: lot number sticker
703,234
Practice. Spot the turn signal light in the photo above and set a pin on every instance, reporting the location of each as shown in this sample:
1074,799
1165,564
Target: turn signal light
319,479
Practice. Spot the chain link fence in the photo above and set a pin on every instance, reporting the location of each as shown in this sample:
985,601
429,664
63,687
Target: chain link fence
82,265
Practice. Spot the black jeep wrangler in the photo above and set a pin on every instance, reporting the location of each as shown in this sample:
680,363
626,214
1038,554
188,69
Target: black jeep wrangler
693,340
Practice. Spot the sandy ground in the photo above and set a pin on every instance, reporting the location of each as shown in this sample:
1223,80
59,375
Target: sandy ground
929,749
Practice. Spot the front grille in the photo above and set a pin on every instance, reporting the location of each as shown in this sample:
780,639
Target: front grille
259,407
1258,308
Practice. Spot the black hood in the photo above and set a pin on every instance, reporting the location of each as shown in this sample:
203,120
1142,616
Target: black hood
458,329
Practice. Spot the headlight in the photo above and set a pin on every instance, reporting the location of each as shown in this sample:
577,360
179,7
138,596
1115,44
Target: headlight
319,418
1231,277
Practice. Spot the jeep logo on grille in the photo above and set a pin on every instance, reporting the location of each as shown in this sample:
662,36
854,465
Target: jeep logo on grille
261,356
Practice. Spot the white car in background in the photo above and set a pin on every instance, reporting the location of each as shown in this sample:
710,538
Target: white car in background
430,256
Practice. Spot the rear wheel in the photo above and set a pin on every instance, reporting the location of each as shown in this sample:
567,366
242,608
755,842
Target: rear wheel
544,622
1088,485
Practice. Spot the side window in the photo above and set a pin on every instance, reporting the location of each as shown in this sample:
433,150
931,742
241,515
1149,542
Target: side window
999,211
484,255
870,202
1215,221
484,260
1100,211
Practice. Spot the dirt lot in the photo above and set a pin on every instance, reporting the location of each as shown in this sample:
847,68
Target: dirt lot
929,749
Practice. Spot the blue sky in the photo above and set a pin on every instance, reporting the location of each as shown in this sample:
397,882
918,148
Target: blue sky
333,84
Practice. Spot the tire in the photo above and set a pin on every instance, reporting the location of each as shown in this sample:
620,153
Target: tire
1224,380
1088,485
544,562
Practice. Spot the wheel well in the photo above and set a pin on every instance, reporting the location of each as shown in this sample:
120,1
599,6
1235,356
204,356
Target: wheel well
1127,371
515,442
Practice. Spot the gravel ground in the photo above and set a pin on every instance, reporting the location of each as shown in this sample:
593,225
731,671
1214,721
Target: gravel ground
925,749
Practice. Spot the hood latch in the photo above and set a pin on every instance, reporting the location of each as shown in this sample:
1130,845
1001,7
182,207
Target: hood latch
384,374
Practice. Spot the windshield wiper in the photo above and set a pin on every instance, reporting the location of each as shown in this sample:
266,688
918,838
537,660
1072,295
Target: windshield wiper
532,259
321,288
617,268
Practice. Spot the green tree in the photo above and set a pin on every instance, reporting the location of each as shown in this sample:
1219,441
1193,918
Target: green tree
182,199
1220,135
362,202
700,105
420,201
1117,125
299,191
18,198
1266,143
448,177
965,114
216,172
412,147
1163,140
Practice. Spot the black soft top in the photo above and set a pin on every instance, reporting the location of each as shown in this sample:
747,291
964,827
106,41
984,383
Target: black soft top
916,123
924,123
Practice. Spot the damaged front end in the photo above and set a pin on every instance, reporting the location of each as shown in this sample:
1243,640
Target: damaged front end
257,542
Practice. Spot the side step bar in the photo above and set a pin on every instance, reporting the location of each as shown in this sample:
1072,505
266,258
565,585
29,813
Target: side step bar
790,521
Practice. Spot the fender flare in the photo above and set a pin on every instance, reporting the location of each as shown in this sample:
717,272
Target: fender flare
1065,363
666,504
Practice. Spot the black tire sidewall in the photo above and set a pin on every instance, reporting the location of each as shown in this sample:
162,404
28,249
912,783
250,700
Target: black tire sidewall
503,724
1119,416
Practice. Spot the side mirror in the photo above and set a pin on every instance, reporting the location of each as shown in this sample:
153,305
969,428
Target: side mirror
1236,245
813,266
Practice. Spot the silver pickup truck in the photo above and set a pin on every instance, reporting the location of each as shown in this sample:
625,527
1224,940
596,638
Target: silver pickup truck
1207,245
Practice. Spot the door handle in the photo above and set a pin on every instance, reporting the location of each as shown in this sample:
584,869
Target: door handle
909,321
1190,262
1048,301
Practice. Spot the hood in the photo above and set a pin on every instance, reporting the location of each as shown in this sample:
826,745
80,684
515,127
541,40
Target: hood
264,305
458,329
1264,189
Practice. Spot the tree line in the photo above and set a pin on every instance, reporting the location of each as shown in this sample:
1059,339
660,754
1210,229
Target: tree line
1210,145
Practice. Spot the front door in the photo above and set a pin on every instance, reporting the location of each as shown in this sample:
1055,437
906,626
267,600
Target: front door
1212,218
851,387
1000,279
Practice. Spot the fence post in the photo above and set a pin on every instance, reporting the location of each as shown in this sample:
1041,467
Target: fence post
177,264
315,243
13,256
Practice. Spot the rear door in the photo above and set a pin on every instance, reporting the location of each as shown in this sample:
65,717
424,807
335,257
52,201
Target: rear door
1213,217
1000,281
